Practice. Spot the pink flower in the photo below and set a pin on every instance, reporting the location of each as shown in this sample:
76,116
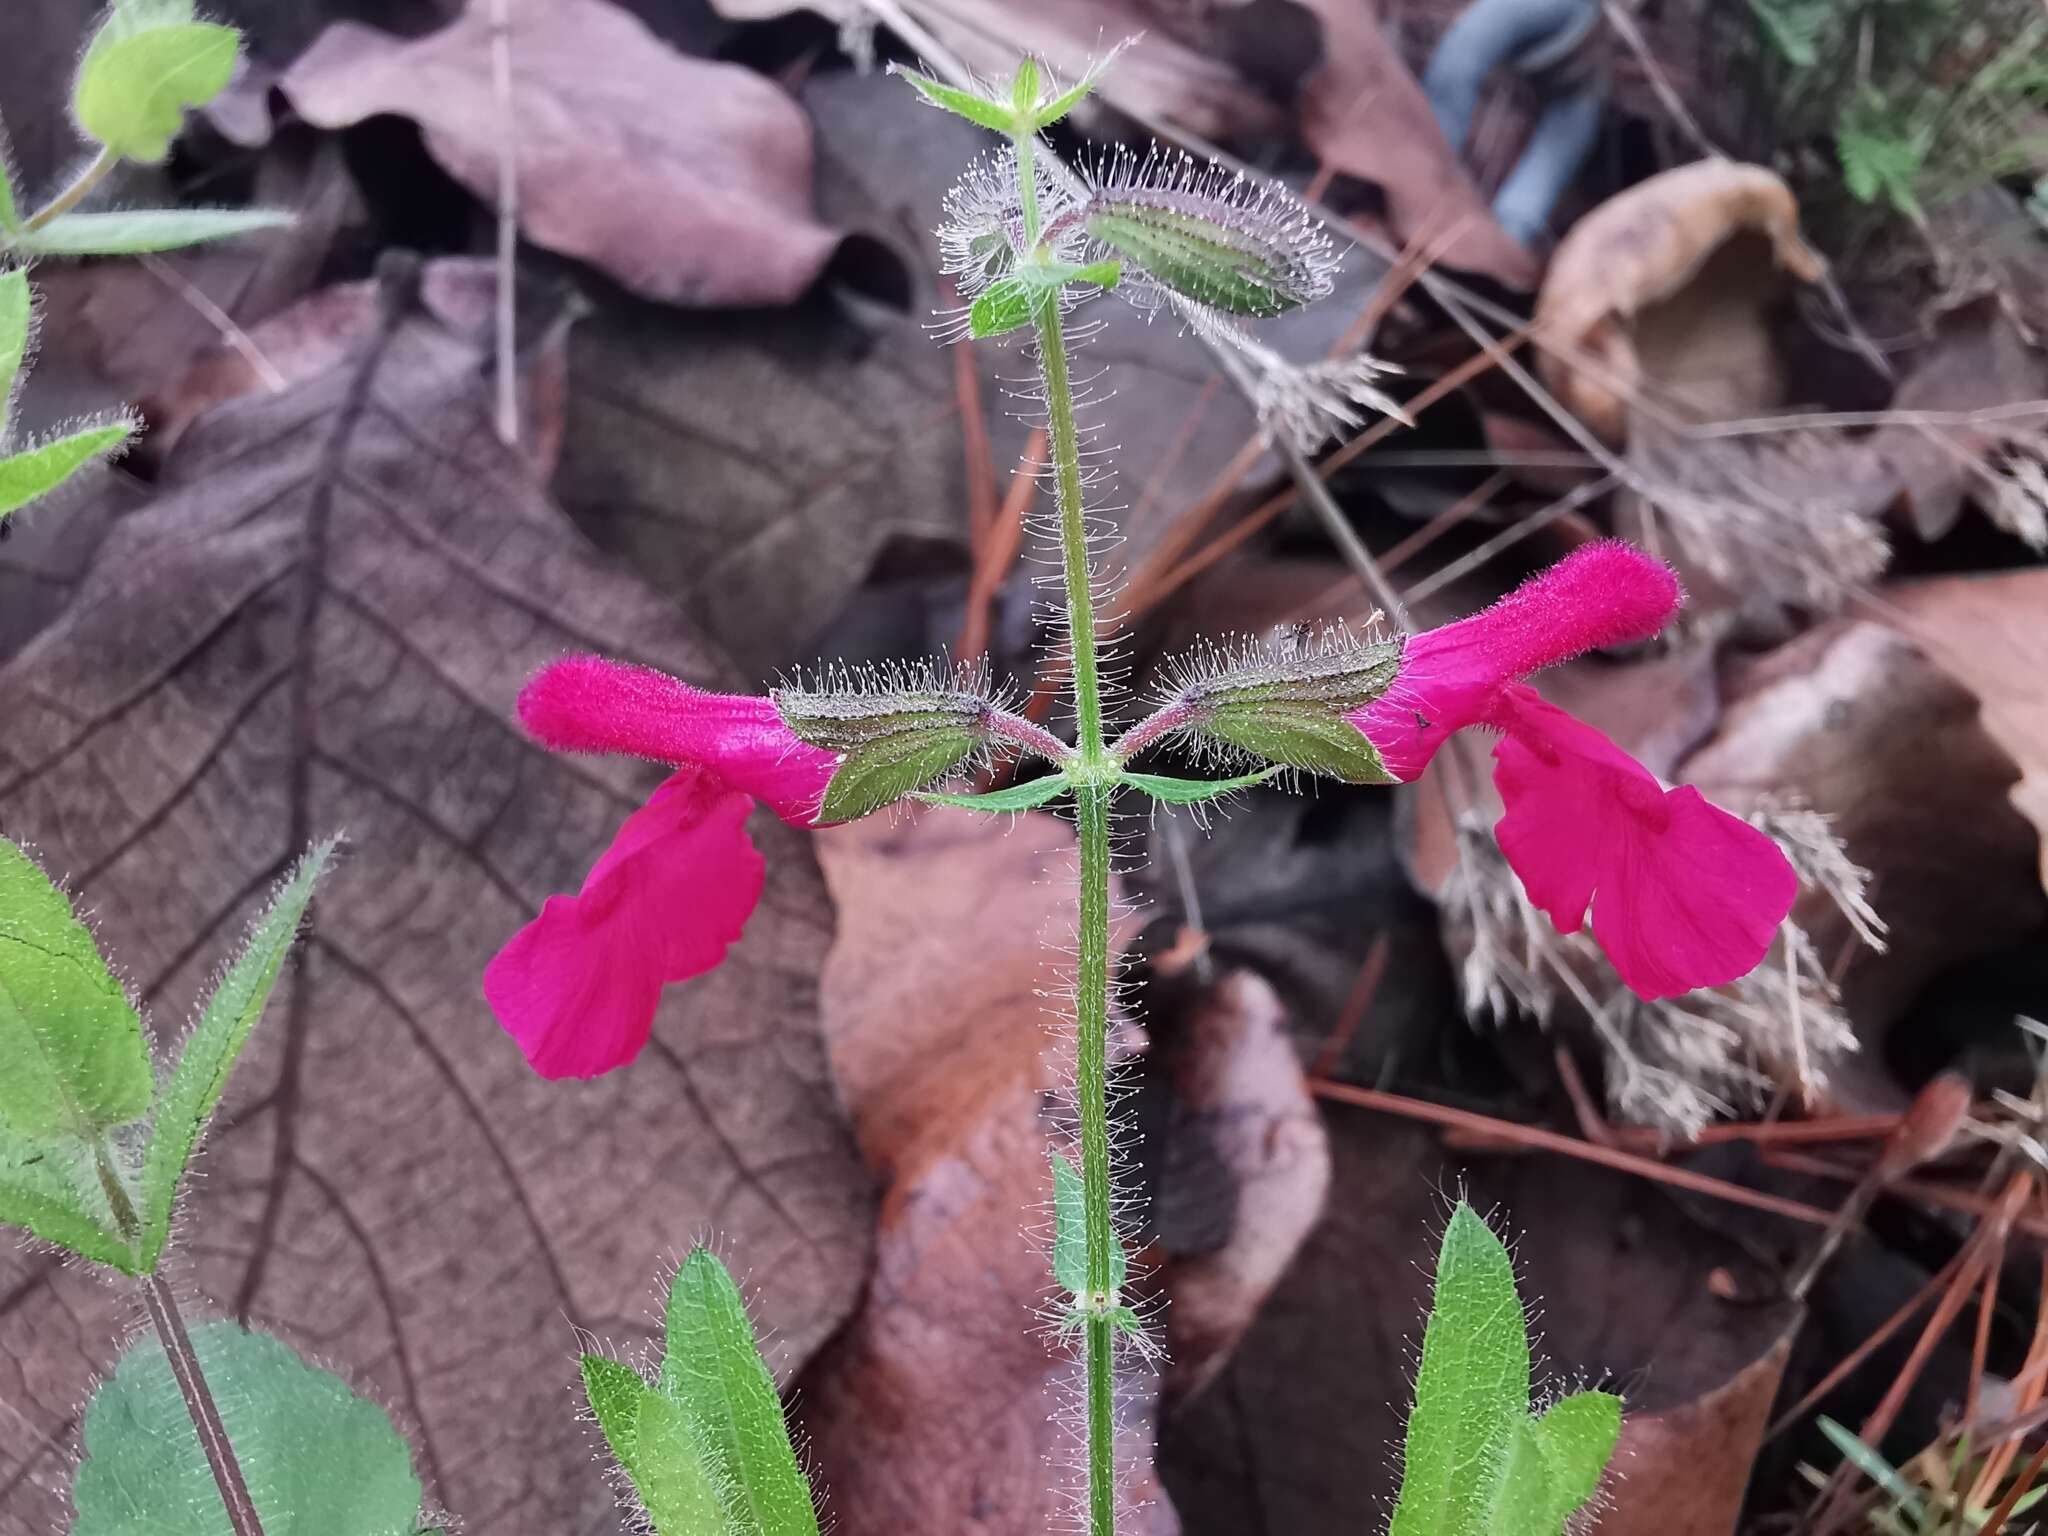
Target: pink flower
1683,894
577,986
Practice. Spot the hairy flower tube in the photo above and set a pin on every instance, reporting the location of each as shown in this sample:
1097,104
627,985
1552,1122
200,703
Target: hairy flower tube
1683,895
577,986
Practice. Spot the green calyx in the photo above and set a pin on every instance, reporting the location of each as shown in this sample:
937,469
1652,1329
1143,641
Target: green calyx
1291,707
890,744
1207,250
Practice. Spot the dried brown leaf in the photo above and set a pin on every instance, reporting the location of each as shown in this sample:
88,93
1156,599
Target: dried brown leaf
687,180
320,624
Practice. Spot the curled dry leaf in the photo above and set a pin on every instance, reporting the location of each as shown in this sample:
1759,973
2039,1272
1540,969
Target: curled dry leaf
688,181
320,624
1856,721
1363,113
934,1409
1619,289
1262,1167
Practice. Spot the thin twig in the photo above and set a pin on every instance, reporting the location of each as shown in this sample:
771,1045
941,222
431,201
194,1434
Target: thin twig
1357,1004
232,334
1619,19
508,221
1513,534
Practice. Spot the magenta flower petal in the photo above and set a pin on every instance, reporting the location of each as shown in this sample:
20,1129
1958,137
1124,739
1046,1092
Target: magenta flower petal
1603,594
577,986
1683,894
589,704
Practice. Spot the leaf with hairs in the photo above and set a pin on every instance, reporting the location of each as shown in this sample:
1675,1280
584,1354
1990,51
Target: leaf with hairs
128,232
135,84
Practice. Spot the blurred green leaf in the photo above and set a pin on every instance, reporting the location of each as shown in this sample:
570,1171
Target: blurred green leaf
714,1370
659,1448
319,1460
976,109
138,77
1190,791
16,308
76,1063
192,1091
39,470
1017,797
130,232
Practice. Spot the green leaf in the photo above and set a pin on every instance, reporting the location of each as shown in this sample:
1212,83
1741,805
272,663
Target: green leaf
1578,1435
192,1091
1063,103
1024,87
1300,735
127,232
1190,791
50,1186
713,1369
9,219
135,83
1522,1496
39,470
1874,1467
976,109
1069,1227
1472,1392
659,1448
1794,27
886,771
1014,299
76,1064
1018,797
319,1460
16,308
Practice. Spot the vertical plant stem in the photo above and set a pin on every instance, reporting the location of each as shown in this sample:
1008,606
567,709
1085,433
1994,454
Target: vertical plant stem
177,1342
1091,979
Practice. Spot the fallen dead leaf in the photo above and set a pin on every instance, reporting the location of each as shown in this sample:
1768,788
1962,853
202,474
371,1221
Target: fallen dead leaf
1987,632
1660,286
940,1407
1301,1431
1245,1146
1859,723
320,624
1363,113
689,181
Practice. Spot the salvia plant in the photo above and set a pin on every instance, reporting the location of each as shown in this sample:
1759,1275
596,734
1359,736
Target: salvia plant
96,1135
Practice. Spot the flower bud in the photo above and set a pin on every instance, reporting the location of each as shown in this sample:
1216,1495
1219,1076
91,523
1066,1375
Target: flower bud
890,744
1214,237
1286,703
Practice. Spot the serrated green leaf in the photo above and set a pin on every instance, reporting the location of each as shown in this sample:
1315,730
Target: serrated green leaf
50,1186
76,1063
1472,1392
40,470
659,1449
1069,1227
713,1368
319,1460
884,771
976,109
136,82
131,231
1578,1435
1304,736
192,1091
1190,791
16,308
1018,797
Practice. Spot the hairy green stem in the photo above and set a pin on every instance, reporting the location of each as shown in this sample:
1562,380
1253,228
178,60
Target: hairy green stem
73,193
1091,798
169,1323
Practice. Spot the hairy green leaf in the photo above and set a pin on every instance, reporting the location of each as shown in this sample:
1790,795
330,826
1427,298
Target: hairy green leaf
1472,1392
136,82
1024,86
1069,1228
714,1370
659,1448
1062,104
1578,1434
128,232
1018,797
75,1061
1190,791
976,109
1013,299
885,772
39,470
50,1187
16,306
1210,254
192,1091
1521,1498
9,219
319,1460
